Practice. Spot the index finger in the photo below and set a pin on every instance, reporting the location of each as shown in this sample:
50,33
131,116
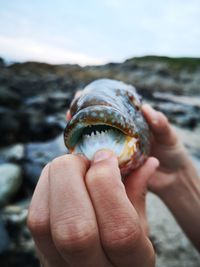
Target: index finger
119,226
72,218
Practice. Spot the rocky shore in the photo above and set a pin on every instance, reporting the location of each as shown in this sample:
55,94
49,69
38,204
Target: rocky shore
34,98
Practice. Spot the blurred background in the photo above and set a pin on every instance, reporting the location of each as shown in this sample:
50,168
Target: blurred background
51,49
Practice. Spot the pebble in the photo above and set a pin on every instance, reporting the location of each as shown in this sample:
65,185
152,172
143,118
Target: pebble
38,155
14,152
10,182
4,238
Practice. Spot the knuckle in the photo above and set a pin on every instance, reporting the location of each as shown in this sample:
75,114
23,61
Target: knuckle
163,120
99,172
104,177
67,160
45,169
73,238
63,160
38,225
123,237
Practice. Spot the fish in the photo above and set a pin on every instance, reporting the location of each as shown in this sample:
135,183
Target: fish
107,115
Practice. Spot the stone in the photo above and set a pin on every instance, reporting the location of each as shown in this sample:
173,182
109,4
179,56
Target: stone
37,120
37,155
4,238
21,249
57,102
9,126
32,171
184,115
12,153
8,98
10,181
36,127
2,63
45,152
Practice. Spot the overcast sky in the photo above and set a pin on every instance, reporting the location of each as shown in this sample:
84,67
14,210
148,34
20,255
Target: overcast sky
98,31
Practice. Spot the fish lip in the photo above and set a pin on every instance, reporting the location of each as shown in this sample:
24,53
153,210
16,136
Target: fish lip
96,115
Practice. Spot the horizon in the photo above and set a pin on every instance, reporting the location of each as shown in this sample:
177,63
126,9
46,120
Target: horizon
160,57
89,34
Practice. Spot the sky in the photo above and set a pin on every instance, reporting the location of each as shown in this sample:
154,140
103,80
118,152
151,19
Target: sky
97,31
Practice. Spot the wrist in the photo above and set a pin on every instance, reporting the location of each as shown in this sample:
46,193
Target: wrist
183,200
178,181
181,183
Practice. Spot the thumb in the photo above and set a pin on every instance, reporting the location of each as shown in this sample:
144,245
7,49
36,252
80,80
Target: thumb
136,186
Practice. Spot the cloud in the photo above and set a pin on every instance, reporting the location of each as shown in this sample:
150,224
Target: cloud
22,49
95,32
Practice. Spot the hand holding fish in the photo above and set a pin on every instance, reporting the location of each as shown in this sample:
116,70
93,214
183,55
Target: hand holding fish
82,214
176,180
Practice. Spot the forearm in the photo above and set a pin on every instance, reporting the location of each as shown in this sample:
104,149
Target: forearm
183,199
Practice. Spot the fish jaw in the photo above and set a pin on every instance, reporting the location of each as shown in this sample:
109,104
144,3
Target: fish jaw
96,115
124,147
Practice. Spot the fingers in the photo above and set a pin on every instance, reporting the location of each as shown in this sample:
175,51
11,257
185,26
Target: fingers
72,218
136,183
39,223
136,187
159,125
63,217
68,115
119,227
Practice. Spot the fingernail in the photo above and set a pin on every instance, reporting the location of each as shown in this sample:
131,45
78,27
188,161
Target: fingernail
155,161
102,155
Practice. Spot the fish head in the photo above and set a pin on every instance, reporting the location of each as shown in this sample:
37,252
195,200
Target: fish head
107,115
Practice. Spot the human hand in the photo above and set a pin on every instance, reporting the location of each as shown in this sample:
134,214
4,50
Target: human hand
176,181
81,214
167,148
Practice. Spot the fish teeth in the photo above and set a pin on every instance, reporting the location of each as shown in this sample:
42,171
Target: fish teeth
101,135
107,138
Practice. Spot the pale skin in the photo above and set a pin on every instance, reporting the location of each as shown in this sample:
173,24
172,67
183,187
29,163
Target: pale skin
176,181
82,214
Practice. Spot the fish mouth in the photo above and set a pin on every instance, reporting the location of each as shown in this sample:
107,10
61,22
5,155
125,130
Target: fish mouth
101,127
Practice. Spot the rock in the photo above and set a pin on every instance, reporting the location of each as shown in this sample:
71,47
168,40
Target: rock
19,257
172,246
21,250
4,238
58,101
45,152
180,114
9,98
16,214
35,126
12,153
9,127
37,155
2,63
36,103
50,103
10,182
32,171
37,119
